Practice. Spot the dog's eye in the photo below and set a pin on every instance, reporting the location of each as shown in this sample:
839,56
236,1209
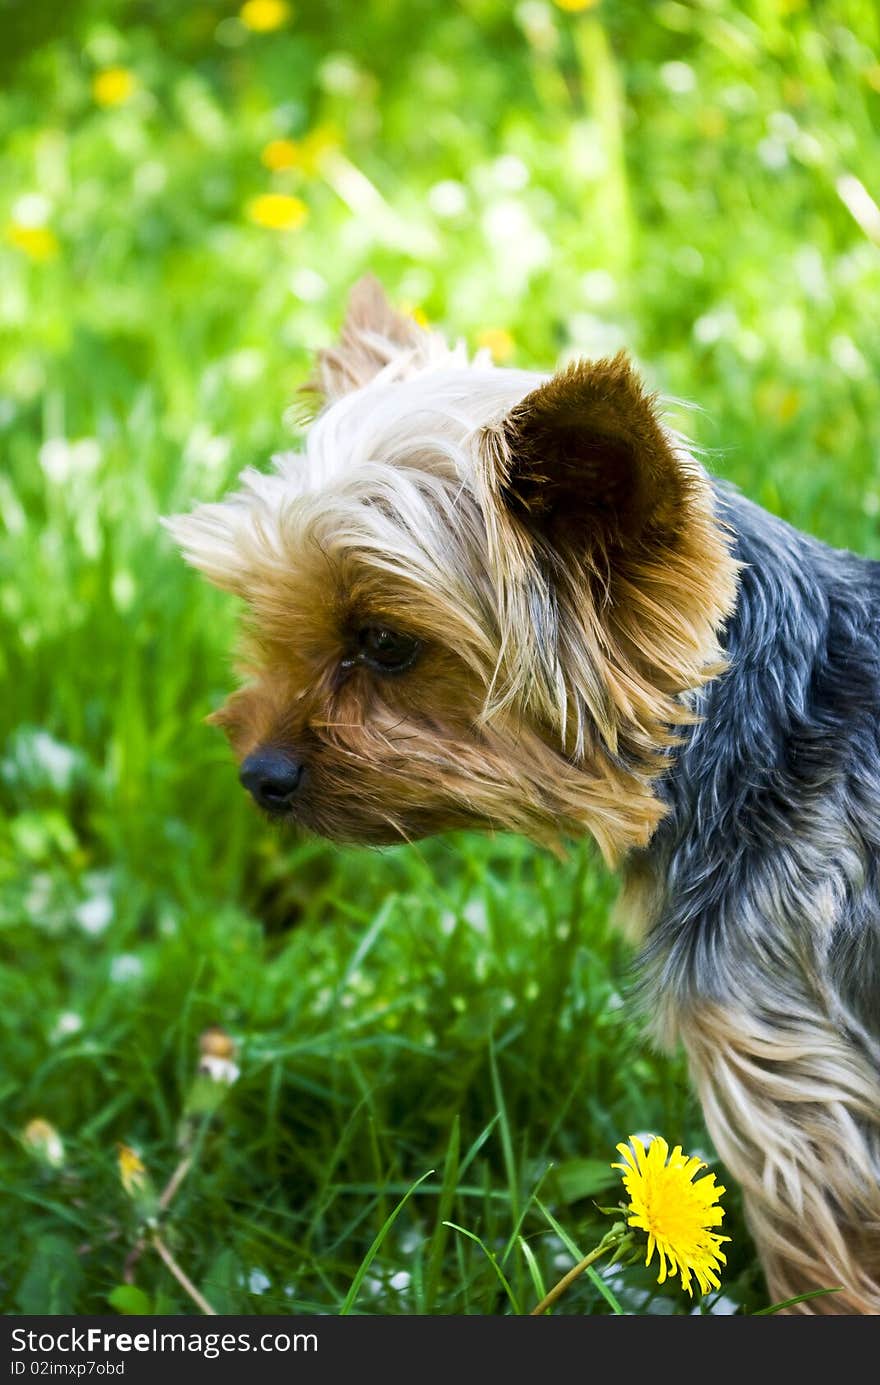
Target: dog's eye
388,651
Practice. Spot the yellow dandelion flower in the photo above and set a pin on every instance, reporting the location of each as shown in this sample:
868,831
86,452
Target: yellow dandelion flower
280,154
262,16
114,86
676,1212
37,242
277,211
132,1170
498,342
305,154
576,6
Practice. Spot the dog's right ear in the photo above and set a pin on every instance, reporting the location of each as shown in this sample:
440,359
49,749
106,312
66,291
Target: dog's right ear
583,461
598,518
373,334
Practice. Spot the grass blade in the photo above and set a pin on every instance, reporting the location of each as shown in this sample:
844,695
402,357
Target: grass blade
534,1268
492,1261
447,1197
504,1130
594,1278
790,1302
371,1253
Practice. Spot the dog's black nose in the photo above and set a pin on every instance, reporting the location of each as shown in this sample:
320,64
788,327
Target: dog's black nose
272,776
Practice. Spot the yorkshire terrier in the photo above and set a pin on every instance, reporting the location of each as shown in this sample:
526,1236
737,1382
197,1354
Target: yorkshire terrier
495,599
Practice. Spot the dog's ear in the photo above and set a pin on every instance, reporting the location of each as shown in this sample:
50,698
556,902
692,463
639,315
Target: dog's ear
614,573
583,459
373,334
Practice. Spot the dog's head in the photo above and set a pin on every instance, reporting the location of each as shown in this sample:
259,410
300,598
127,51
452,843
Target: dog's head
479,597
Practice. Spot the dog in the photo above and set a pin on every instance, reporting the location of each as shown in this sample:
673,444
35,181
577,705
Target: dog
489,598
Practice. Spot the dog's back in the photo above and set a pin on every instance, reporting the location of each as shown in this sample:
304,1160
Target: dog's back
764,927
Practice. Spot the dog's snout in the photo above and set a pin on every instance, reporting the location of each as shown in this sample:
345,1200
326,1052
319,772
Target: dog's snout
272,776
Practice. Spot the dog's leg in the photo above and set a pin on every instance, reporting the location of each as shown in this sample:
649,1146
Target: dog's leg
794,1111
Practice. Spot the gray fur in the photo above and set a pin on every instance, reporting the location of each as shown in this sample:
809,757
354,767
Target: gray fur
762,952
775,798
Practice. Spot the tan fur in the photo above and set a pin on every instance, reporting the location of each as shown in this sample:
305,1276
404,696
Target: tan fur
789,1104
501,724
373,336
644,589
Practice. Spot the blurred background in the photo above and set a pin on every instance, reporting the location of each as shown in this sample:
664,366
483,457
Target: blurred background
186,195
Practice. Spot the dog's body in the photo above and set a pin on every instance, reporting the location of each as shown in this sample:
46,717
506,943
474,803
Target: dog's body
759,898
488,598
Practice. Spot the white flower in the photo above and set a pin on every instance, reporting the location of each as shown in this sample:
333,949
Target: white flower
94,914
126,967
67,1023
219,1069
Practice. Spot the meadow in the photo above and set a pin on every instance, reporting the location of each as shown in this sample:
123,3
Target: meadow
435,1050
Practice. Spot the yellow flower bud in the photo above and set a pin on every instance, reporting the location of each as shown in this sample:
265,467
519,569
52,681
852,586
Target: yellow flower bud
262,16
280,154
132,1170
37,242
114,86
277,212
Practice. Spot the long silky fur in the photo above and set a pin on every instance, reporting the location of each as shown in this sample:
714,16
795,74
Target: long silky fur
668,669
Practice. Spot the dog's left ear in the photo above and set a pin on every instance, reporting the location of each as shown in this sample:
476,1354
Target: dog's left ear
373,334
583,459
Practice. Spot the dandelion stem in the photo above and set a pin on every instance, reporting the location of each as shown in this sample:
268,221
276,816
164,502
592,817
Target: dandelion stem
607,1243
170,1191
182,1278
175,1181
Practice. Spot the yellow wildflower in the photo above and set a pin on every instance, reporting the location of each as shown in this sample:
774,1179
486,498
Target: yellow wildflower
498,341
304,154
575,6
37,242
262,16
114,86
277,211
132,1170
676,1212
280,154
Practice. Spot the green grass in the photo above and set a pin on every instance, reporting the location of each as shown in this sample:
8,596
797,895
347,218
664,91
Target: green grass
429,1037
